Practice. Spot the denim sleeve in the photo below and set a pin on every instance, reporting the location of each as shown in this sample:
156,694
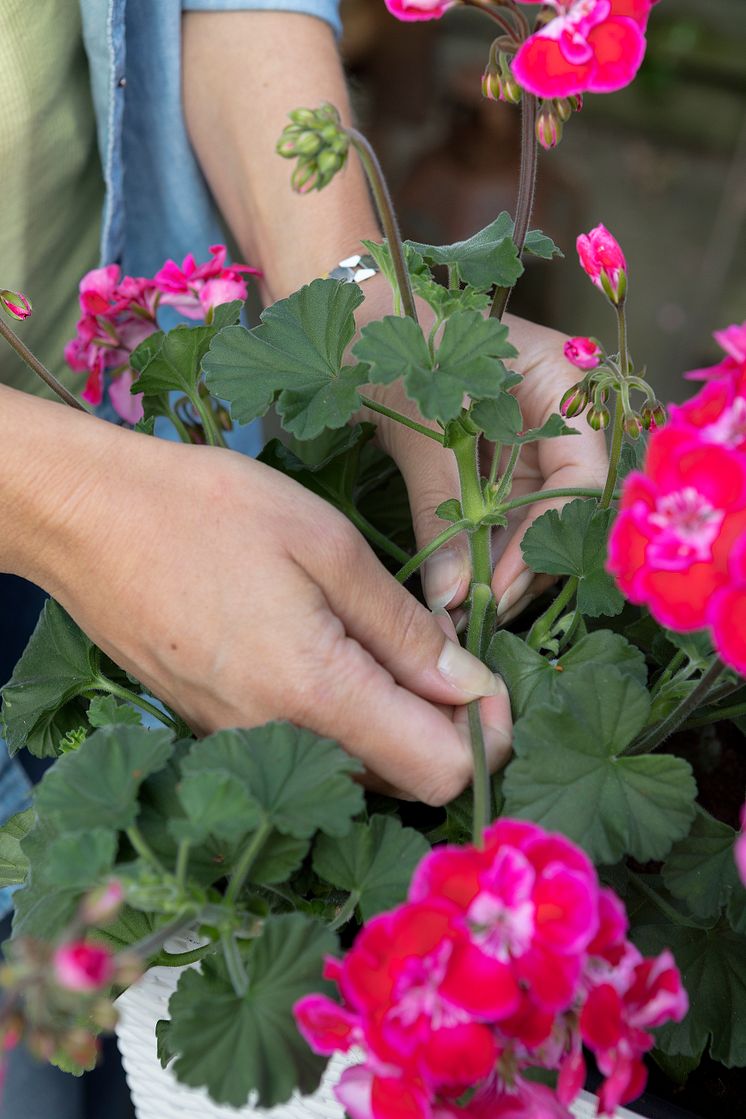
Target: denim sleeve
327,10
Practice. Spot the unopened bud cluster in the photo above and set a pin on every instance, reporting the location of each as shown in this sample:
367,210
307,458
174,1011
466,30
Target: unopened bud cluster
498,83
602,379
552,118
317,139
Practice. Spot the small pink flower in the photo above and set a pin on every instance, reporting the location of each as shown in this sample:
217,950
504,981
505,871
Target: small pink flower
602,260
740,848
102,904
128,406
97,290
583,353
733,341
419,9
16,304
182,286
591,45
83,967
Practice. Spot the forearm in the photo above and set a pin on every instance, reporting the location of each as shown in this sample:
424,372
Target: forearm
270,63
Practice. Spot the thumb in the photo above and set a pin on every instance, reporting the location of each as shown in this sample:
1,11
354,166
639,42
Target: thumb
431,477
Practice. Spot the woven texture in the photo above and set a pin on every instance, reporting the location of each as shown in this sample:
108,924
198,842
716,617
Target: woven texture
157,1095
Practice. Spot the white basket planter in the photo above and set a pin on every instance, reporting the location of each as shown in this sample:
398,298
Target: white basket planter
158,1095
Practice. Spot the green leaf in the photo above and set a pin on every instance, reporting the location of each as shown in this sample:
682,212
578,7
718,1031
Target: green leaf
143,354
42,906
226,314
163,1045
376,861
574,542
106,711
279,858
177,365
450,510
713,969
211,1024
97,785
41,701
13,862
467,361
298,352
533,680
334,476
701,869
216,804
502,422
300,781
79,860
569,773
490,256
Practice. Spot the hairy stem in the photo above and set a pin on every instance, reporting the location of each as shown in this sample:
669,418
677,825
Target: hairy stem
246,862
370,532
617,437
526,191
152,943
385,208
481,597
548,495
213,435
736,711
401,419
543,625
36,366
106,685
658,735
416,561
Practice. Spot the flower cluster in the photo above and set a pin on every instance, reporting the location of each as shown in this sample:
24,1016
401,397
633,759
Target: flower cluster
504,957
119,312
679,543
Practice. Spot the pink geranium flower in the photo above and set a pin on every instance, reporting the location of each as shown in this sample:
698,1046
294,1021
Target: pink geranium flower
733,341
194,289
603,261
419,9
83,967
583,353
740,848
591,45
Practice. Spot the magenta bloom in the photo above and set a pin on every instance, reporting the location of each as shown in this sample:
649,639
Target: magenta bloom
194,289
591,45
740,850
83,967
733,341
419,9
583,353
16,304
603,261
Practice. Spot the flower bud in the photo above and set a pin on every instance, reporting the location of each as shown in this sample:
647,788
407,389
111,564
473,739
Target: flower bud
564,109
318,141
574,401
548,127
304,118
79,966
603,261
599,417
583,353
17,305
308,143
102,905
576,102
305,176
633,425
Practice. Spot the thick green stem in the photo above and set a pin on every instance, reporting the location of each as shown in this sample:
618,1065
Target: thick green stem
473,507
181,959
736,711
143,848
401,419
347,912
526,191
234,964
507,478
617,437
246,862
658,735
152,943
542,627
424,554
213,434
481,598
105,685
370,532
36,366
385,208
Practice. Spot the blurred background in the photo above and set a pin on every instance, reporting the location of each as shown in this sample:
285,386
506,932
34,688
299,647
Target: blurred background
662,164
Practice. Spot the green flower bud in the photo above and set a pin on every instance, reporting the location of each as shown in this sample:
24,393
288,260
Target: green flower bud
633,425
599,417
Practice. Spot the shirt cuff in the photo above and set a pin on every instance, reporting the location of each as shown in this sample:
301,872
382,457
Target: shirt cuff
328,10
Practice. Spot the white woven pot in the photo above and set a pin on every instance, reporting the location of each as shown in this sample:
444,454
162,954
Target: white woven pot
158,1095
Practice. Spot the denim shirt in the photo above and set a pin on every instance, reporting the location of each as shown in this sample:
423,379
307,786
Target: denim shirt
158,204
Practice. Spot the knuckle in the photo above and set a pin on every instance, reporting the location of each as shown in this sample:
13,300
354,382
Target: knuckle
445,783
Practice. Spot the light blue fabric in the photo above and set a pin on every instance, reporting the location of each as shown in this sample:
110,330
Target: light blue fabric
158,204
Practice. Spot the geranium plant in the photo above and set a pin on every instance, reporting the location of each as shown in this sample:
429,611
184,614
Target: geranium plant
491,953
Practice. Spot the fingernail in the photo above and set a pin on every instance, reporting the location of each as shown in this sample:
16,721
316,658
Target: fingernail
465,672
519,607
444,573
515,591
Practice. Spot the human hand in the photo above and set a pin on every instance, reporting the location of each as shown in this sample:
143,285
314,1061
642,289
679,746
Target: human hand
238,597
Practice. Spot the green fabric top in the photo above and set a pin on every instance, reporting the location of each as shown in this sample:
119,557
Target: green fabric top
51,189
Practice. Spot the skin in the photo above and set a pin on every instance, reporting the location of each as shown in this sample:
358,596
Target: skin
240,597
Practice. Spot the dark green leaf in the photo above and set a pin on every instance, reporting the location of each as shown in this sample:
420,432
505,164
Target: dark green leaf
13,861
533,680
502,422
97,785
335,475
569,772
574,542
41,907
105,711
78,860
701,868
146,426
211,1024
713,970
375,860
226,314
279,858
301,782
297,351
40,703
143,354
163,1046
450,510
177,365
215,803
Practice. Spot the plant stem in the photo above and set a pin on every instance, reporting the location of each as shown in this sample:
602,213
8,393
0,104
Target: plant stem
543,625
347,911
617,437
36,366
182,863
154,942
241,873
401,419
106,685
654,738
507,478
473,506
502,21
737,711
670,670
234,964
548,495
385,208
661,903
526,191
363,525
210,428
181,430
416,561
481,597
181,959
143,848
